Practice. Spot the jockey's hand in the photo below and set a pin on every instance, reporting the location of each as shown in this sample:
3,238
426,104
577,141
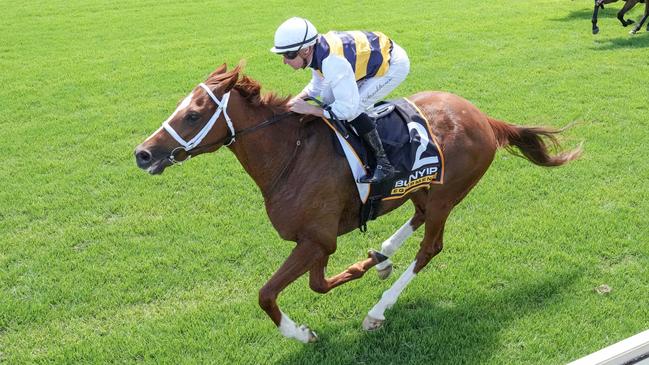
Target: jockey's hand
293,100
302,107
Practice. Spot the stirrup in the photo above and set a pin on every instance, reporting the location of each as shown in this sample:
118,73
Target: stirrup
380,174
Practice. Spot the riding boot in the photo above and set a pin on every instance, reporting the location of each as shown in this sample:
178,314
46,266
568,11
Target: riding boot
384,169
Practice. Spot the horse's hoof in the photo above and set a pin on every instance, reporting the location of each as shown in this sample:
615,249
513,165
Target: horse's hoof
595,30
383,264
376,256
629,22
372,324
384,272
311,336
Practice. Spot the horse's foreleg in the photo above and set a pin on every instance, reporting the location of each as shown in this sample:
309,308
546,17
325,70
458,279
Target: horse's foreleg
301,259
319,283
594,20
599,4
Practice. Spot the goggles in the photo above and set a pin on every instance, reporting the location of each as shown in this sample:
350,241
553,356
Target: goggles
290,55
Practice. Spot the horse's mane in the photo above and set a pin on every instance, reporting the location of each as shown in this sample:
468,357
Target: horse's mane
249,89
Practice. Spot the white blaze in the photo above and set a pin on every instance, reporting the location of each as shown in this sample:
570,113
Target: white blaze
184,104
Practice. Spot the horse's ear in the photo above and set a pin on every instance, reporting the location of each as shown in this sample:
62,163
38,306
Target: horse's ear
219,70
230,79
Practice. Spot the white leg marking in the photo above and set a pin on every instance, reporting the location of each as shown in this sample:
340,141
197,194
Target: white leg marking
390,246
289,329
390,296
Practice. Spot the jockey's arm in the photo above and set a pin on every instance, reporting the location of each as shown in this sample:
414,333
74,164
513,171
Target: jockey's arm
314,87
339,77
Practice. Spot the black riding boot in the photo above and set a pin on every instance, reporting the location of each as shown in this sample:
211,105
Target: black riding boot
384,169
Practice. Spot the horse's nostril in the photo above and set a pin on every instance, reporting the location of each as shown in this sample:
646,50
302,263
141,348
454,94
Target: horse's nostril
143,157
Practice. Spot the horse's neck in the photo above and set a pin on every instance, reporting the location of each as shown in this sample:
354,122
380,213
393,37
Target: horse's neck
266,152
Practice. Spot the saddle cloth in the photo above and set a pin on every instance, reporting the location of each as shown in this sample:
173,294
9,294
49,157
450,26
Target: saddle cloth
408,142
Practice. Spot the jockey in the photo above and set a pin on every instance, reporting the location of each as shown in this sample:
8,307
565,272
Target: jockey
351,71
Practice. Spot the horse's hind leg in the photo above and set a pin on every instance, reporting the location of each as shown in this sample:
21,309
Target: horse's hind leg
644,18
317,275
392,244
431,245
620,15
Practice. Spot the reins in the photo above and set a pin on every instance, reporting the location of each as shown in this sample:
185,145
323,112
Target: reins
227,140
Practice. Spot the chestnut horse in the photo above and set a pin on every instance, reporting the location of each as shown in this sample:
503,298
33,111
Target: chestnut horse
308,188
628,5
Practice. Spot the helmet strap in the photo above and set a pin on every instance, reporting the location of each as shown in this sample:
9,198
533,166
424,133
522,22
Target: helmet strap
306,60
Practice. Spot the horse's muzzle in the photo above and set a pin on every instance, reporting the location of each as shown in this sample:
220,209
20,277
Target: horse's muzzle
146,161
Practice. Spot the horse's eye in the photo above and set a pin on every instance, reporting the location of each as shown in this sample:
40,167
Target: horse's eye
193,117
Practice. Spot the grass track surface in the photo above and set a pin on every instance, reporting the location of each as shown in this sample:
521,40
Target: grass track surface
101,263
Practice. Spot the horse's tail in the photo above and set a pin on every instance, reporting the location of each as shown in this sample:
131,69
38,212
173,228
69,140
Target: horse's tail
531,141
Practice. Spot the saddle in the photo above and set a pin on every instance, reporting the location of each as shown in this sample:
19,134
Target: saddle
409,144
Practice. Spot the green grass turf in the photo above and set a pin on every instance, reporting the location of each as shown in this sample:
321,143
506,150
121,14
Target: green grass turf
100,262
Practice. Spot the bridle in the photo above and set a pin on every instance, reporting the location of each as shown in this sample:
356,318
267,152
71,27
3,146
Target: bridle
194,143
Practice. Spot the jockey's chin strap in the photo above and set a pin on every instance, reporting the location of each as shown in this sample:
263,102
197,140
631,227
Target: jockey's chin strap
187,146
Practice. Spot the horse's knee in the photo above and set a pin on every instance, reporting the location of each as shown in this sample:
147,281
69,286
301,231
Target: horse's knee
267,298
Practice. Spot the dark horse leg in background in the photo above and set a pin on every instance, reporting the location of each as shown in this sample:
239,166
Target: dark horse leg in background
628,5
644,18
598,4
